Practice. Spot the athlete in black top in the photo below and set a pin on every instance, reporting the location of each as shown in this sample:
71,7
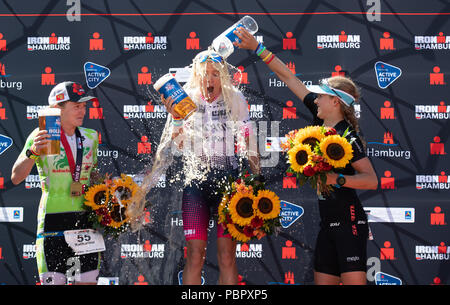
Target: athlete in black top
341,244
340,254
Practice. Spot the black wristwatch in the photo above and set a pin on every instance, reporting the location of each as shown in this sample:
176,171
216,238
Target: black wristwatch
340,181
31,155
260,178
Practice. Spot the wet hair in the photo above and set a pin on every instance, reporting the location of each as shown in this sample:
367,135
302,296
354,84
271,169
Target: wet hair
229,91
346,84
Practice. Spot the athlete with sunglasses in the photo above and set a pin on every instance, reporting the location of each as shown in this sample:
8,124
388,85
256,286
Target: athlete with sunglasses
207,140
340,254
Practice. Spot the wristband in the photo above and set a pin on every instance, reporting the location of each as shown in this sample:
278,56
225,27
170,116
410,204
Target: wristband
258,47
177,121
33,152
262,50
268,55
268,62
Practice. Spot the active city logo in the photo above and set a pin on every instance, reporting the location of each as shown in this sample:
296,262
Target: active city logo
382,278
386,74
290,213
95,74
5,143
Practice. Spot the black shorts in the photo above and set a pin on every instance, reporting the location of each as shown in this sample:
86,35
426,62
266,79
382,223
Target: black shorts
58,254
341,247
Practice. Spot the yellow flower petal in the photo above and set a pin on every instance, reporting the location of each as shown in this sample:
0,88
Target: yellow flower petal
336,150
241,208
299,157
267,204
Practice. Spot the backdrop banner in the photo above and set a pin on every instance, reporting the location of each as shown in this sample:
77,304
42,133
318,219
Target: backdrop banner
397,52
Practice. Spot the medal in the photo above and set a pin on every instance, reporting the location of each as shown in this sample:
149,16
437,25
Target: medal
76,189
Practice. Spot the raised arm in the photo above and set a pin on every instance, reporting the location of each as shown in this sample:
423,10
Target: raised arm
273,62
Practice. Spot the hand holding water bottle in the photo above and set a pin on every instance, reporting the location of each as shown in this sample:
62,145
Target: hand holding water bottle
247,40
223,44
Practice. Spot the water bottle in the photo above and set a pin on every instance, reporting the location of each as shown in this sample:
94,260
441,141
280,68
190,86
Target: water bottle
223,44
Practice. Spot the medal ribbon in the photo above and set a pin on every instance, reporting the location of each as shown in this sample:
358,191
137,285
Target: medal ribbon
75,169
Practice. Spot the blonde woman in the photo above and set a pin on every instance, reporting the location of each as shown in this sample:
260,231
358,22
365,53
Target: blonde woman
340,253
207,142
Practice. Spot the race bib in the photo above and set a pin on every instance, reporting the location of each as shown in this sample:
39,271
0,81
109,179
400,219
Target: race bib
84,241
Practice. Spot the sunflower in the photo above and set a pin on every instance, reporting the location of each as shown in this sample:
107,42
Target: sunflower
97,196
118,216
311,135
237,232
241,208
266,204
336,150
299,157
124,189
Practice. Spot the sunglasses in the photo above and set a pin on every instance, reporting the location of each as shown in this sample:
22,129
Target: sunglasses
213,57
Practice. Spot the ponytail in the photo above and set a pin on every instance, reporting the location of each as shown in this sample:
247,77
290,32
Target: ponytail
347,85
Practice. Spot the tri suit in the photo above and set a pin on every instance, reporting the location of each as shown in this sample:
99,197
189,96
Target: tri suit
341,245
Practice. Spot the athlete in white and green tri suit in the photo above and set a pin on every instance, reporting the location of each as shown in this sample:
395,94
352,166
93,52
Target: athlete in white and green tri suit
59,210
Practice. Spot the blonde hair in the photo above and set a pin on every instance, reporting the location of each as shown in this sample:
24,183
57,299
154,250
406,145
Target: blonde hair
229,91
346,84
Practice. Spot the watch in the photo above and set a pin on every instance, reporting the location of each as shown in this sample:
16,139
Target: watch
340,181
260,178
31,155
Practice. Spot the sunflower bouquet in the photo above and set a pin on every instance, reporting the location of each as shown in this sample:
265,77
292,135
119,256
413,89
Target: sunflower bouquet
107,200
247,210
314,151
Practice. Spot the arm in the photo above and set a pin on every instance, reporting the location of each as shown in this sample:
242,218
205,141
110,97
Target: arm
23,165
21,169
177,132
364,179
276,65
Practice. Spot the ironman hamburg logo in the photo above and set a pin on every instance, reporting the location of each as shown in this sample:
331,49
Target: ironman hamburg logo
386,74
95,74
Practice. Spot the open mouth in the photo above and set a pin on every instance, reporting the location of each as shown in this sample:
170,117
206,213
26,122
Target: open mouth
210,89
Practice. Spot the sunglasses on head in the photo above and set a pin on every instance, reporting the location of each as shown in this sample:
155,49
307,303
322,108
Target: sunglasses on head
213,57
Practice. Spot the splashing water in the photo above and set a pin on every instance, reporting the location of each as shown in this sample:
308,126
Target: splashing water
196,165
